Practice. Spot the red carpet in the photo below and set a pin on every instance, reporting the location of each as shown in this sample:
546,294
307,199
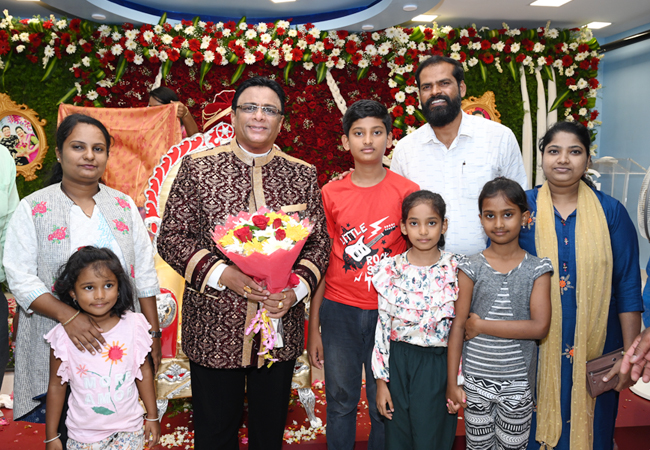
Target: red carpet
632,428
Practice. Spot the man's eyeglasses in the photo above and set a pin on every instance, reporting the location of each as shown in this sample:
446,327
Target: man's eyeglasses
251,108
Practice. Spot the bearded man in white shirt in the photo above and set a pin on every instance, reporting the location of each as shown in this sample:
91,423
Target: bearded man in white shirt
455,154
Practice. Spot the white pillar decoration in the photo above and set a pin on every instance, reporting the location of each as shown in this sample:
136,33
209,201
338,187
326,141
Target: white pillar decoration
157,82
527,129
336,93
551,118
542,111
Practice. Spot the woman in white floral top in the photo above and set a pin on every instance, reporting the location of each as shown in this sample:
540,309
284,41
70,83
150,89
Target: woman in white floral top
417,291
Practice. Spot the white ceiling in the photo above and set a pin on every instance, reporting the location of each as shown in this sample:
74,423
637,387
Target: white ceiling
352,14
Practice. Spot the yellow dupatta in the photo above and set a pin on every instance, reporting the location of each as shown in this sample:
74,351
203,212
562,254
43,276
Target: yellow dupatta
594,262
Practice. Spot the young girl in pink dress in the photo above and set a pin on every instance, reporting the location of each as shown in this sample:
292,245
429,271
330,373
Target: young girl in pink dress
104,412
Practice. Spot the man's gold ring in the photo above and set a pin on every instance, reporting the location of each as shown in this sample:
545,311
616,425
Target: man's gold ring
280,305
248,289
285,296
245,294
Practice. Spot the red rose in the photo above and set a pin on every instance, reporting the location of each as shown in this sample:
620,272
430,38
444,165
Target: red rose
244,234
549,60
594,115
471,32
87,47
528,45
583,102
178,41
277,223
464,40
567,60
293,280
75,25
35,40
568,103
296,54
102,91
195,45
260,221
488,58
520,57
280,234
570,82
463,57
174,55
593,83
350,47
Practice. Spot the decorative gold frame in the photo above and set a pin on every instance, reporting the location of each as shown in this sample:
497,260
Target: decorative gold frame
8,108
486,103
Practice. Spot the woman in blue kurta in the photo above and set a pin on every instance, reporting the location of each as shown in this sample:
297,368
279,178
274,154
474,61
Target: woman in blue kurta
565,156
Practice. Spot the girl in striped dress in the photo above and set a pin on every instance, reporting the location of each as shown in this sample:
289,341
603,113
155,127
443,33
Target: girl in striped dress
503,307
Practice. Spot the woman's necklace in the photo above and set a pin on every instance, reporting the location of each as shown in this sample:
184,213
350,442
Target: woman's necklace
75,203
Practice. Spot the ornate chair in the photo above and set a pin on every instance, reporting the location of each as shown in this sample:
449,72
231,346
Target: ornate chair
173,379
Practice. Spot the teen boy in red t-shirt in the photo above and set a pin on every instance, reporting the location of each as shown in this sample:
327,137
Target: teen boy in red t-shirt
363,212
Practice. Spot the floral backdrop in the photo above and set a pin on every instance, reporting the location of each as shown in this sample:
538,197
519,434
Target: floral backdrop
115,66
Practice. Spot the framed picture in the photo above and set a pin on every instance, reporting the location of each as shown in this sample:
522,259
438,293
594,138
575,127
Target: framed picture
22,133
483,106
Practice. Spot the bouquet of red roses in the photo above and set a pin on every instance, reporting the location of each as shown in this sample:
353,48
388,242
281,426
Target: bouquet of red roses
264,245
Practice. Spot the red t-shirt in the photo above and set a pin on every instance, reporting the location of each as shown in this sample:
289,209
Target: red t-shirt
363,223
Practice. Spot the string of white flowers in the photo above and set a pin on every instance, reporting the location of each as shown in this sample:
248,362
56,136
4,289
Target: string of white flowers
336,93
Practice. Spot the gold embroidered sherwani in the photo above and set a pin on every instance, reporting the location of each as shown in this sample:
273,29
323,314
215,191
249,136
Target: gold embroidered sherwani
210,186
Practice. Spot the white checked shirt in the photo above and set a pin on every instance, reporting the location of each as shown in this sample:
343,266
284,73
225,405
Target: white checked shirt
482,151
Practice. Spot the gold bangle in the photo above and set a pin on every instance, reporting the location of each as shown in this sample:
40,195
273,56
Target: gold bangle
71,318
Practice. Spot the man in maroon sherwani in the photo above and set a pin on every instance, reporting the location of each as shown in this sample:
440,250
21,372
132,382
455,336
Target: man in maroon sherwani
219,300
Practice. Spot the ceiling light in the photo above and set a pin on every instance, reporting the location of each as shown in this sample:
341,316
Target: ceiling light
367,27
424,18
410,7
98,16
598,25
282,1
553,3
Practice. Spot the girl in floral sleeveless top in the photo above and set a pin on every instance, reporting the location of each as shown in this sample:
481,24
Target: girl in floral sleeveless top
417,291
104,412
